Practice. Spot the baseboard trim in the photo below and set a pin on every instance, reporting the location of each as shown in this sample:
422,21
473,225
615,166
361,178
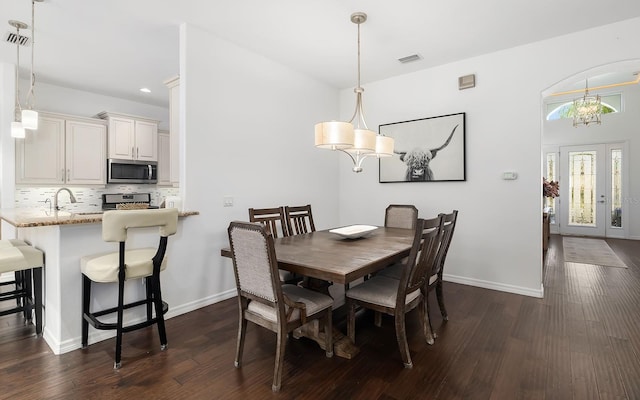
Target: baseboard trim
502,287
98,335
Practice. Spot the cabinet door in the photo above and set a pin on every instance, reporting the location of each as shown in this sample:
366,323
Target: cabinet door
164,159
40,155
121,138
146,142
86,153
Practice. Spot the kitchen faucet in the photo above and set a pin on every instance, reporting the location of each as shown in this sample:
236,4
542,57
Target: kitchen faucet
55,199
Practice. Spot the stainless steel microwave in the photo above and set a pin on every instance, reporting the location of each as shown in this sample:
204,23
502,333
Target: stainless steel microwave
131,171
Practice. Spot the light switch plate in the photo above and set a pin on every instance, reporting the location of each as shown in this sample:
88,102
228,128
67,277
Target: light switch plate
509,176
227,201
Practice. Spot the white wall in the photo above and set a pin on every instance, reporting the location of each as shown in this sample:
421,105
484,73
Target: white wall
248,134
498,239
623,126
64,100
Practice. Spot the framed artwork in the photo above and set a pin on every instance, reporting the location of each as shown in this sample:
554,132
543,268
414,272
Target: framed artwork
426,150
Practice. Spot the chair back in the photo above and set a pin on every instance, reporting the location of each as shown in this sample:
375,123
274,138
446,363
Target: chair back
401,216
255,265
448,227
116,223
299,219
272,218
426,242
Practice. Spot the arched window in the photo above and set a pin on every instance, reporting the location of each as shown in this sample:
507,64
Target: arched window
555,111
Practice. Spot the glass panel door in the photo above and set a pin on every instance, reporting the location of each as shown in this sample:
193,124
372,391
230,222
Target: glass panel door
582,191
592,190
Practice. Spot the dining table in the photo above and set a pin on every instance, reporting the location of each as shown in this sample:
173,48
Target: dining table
328,257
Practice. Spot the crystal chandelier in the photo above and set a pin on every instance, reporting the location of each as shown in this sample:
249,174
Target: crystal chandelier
354,137
587,109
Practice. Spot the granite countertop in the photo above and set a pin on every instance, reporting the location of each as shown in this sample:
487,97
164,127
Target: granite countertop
31,217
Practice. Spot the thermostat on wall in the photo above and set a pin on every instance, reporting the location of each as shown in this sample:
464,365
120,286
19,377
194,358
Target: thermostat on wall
509,176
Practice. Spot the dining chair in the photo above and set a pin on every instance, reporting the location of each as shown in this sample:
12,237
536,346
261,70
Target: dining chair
435,277
401,216
264,300
397,297
299,219
124,265
272,218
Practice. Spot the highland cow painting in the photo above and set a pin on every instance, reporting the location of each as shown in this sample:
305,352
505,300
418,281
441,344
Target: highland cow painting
426,150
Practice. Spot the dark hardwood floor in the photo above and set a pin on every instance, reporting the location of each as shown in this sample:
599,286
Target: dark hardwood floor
581,341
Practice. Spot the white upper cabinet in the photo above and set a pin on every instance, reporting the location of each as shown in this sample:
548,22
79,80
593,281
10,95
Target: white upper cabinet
164,158
64,150
131,137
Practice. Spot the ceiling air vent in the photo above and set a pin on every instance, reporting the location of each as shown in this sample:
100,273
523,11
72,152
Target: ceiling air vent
412,57
13,38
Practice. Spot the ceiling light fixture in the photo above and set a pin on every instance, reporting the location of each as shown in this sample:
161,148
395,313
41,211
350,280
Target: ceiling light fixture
354,137
29,115
17,129
145,90
587,109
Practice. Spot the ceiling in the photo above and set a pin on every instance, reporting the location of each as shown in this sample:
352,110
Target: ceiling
115,47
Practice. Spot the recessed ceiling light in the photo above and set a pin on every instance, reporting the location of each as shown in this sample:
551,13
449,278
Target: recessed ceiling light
145,90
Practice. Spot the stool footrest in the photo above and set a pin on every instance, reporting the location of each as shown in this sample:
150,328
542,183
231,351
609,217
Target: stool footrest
92,318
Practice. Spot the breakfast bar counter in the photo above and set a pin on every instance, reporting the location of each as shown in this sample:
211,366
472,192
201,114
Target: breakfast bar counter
65,237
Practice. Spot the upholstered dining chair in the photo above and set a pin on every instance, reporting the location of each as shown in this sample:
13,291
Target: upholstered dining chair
272,218
264,300
299,219
127,264
401,216
397,297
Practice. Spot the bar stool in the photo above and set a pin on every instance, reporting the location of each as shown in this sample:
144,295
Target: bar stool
26,262
123,265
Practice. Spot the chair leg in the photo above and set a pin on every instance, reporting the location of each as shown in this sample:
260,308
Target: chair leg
377,318
149,289
157,297
424,317
328,333
86,298
18,284
351,320
242,330
37,294
403,345
27,302
428,329
118,359
440,296
280,347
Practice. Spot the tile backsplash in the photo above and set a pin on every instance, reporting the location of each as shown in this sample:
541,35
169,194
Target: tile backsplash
89,198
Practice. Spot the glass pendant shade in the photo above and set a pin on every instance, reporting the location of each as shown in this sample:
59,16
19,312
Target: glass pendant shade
17,130
334,135
30,119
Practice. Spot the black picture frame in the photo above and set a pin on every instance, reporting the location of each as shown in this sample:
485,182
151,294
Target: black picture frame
426,150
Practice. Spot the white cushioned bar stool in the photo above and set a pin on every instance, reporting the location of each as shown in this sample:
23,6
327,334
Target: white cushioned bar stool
26,262
123,265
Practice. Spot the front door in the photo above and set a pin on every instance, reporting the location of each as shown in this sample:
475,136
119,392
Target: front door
591,190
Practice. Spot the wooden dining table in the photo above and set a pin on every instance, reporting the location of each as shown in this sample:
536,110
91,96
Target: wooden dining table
331,258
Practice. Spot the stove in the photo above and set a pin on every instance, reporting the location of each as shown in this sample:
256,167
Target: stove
110,201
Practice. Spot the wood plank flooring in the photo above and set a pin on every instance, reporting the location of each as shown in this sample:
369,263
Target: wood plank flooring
582,341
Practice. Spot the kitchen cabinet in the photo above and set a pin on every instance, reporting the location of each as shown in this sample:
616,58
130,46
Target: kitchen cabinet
164,158
131,137
174,129
64,150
